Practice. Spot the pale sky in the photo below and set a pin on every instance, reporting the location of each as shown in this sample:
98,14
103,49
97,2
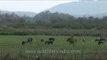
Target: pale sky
31,6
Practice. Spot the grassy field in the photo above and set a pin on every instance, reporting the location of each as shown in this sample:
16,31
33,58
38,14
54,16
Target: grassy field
11,48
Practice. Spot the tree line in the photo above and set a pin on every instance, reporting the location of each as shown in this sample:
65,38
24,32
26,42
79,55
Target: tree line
46,21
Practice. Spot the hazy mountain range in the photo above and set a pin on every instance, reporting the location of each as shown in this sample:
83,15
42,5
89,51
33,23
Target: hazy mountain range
30,14
83,8
20,13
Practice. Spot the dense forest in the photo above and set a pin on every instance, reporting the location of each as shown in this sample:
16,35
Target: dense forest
51,24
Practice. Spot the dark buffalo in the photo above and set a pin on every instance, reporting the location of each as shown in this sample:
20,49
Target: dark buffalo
68,39
49,42
23,42
96,40
42,40
51,39
100,41
27,41
83,40
71,40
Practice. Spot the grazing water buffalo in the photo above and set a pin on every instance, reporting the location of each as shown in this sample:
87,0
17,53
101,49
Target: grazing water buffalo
23,42
50,41
42,40
100,41
83,40
27,41
71,40
96,40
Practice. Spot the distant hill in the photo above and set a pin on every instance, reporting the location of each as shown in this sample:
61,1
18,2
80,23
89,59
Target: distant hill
83,8
20,13
30,14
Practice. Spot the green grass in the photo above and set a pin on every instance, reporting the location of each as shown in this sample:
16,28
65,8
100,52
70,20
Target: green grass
12,44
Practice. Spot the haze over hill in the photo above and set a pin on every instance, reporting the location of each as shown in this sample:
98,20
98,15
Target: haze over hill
83,8
20,13
30,14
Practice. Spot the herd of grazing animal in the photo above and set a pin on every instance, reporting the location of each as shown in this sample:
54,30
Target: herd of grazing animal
70,40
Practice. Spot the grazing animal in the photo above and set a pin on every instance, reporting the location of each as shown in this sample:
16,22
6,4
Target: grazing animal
23,42
96,40
51,39
100,41
68,39
83,40
71,40
49,42
42,40
27,41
